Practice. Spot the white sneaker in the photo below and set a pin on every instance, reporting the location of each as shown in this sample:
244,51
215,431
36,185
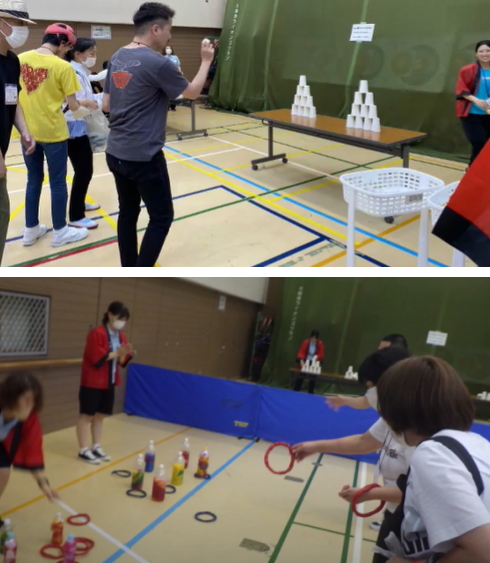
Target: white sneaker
66,235
376,526
99,453
84,224
92,206
89,457
32,234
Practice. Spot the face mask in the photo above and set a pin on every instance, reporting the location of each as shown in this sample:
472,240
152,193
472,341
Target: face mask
169,51
18,37
119,325
90,62
372,398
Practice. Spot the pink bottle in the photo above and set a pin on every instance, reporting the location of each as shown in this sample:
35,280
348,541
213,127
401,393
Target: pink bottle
10,549
69,549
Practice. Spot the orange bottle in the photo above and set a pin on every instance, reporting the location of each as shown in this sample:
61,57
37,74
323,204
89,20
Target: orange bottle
57,529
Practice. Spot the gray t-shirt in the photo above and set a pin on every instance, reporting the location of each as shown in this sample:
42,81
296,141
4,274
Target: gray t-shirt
140,83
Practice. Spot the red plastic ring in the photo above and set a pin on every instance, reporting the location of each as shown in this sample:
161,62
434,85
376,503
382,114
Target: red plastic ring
266,458
42,551
355,502
88,545
75,516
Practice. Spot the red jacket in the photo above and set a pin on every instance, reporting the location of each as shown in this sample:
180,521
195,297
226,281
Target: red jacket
24,444
467,85
96,368
303,351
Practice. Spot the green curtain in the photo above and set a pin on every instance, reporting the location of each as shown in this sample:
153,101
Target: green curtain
353,314
412,63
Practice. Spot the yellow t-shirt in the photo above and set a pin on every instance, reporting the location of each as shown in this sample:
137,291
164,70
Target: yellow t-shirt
46,81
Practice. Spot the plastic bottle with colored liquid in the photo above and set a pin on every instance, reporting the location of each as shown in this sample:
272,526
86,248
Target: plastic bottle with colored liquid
10,549
138,473
150,457
57,529
159,485
69,550
186,451
5,531
203,465
178,470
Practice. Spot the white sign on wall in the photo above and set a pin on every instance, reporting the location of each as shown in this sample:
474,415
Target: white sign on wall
222,303
362,32
102,32
437,338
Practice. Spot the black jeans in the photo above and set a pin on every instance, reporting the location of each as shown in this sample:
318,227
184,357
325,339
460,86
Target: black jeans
477,130
147,181
82,159
311,383
384,532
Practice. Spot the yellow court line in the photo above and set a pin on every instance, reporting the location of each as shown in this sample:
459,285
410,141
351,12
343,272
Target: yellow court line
262,199
15,169
436,162
106,466
17,210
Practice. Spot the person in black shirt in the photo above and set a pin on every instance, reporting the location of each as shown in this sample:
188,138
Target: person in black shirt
13,34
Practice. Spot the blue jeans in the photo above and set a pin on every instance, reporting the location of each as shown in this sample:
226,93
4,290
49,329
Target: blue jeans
57,158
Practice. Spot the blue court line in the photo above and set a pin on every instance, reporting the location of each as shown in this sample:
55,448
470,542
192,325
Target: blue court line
304,228
178,504
98,217
289,253
308,208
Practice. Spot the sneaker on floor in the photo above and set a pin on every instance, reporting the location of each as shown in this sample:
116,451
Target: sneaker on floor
68,235
32,234
376,526
89,457
99,453
84,224
92,206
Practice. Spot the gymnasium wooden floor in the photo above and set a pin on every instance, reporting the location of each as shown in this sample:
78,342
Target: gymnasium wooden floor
261,516
228,215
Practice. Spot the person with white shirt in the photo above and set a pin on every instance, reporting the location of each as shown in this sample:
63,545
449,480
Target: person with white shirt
445,515
394,458
169,53
82,58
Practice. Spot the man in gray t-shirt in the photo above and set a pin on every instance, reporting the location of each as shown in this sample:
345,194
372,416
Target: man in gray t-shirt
139,84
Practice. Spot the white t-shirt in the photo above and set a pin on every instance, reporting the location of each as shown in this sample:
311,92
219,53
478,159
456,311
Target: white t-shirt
442,501
394,459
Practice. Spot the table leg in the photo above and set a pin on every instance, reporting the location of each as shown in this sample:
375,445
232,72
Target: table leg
193,132
406,156
271,157
423,257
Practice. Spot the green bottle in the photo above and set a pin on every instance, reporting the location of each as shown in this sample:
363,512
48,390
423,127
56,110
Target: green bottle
4,533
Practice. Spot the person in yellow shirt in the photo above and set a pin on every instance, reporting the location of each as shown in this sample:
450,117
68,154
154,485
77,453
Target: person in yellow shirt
47,82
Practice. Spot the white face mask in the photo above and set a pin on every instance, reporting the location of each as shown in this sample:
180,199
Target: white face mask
169,51
119,325
18,37
90,62
372,398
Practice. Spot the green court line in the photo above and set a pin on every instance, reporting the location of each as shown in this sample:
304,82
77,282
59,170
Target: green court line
438,165
294,513
330,531
348,526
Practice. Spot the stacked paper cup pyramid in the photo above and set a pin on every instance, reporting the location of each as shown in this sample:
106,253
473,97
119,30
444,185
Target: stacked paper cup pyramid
312,366
364,113
303,101
349,374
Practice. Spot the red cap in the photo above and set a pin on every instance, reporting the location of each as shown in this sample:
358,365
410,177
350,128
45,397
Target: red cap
62,29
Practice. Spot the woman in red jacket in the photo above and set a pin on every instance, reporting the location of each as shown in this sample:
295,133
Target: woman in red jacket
21,438
308,350
473,99
106,350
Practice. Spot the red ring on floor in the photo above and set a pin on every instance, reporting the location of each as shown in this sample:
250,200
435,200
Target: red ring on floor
75,516
355,502
42,551
267,453
88,545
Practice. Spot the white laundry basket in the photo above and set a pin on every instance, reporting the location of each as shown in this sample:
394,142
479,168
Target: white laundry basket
389,192
437,203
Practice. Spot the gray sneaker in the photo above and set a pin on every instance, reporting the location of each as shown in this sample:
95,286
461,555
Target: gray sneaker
68,235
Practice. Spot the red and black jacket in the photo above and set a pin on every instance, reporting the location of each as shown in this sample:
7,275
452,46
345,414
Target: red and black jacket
303,351
24,444
467,85
96,368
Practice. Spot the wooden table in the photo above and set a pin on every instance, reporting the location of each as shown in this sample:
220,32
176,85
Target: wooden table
330,378
185,102
389,141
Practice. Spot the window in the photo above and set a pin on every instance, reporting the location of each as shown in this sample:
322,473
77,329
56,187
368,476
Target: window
24,324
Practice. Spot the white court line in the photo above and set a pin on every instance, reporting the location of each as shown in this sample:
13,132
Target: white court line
356,555
101,532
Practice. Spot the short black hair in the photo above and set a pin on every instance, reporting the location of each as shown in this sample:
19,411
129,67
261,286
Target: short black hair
315,333
15,385
396,340
151,13
373,367
55,39
486,42
118,309
105,65
80,46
